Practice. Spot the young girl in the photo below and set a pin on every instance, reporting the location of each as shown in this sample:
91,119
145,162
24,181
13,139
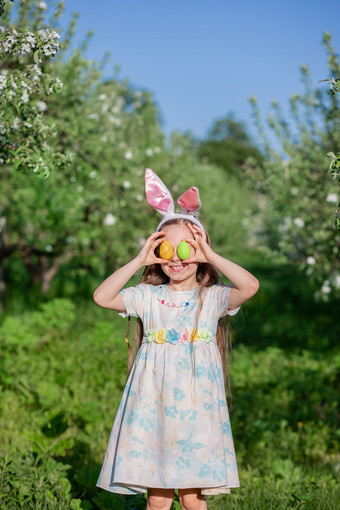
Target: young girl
172,428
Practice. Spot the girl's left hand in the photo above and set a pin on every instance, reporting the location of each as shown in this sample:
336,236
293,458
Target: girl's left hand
202,249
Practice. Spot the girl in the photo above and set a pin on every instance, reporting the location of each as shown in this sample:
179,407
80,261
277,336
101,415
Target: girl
172,428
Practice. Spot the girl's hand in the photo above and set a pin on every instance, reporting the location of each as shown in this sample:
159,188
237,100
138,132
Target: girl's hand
147,256
203,251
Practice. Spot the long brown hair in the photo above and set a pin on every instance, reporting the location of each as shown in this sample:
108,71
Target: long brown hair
206,276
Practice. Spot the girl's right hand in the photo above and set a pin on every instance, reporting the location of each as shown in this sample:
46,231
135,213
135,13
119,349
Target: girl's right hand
147,256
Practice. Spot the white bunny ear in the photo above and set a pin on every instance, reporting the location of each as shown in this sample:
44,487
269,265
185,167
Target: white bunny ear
190,201
157,194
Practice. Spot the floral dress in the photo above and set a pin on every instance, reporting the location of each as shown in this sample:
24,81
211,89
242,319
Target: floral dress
172,427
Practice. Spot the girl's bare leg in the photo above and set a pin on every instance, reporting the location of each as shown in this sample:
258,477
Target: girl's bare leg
192,499
159,499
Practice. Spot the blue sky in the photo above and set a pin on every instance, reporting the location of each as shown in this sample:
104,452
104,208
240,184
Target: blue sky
204,58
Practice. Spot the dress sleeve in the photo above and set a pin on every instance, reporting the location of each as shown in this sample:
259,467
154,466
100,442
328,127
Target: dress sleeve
133,298
222,295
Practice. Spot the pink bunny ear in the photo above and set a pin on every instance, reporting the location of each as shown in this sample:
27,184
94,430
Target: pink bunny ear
157,194
189,201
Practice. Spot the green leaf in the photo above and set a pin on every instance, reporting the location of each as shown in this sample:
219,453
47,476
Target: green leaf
337,222
36,57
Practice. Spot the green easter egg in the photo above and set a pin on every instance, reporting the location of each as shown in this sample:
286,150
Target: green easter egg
183,250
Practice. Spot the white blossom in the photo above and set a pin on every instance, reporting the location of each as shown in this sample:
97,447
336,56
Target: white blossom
149,152
26,48
48,50
128,155
16,123
337,281
30,39
25,85
294,191
11,39
115,120
11,94
36,69
299,222
311,261
44,34
126,184
94,116
325,289
7,45
118,106
3,81
92,174
49,247
333,198
25,97
102,97
42,106
80,189
42,6
157,150
109,220
139,198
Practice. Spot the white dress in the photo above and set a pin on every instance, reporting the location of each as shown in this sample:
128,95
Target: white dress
172,427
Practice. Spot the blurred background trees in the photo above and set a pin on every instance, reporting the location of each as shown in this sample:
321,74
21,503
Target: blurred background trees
87,143
294,181
229,145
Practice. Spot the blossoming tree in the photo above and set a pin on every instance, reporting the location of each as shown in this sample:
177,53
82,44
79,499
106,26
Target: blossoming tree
295,185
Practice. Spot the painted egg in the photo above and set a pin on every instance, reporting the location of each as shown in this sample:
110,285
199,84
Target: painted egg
166,250
183,250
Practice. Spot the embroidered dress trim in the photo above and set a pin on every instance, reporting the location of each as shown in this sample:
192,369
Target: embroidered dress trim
160,336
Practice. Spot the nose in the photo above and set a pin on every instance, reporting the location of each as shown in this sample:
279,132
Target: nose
175,257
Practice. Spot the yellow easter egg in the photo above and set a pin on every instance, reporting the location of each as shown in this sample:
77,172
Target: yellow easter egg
166,250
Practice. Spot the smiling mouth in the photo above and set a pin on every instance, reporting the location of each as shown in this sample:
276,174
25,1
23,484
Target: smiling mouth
178,268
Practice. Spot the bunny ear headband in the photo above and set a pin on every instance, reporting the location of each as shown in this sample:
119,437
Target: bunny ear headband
159,197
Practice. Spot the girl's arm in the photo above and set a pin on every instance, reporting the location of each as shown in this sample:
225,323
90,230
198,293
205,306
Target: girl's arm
107,294
245,284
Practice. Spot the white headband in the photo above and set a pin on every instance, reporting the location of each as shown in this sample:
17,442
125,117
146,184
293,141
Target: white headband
159,197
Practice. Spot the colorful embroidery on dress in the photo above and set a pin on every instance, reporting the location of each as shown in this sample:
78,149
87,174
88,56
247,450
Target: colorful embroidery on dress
174,337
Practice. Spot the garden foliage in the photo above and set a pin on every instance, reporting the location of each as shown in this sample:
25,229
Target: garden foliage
293,180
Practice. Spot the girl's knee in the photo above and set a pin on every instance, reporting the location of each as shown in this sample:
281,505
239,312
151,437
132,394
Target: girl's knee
160,499
192,499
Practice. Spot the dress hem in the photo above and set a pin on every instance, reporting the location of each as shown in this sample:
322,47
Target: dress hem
141,489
